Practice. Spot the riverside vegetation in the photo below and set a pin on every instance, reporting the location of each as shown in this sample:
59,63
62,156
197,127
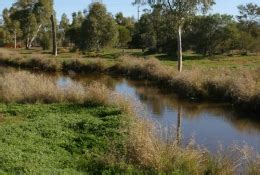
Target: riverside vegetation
238,86
49,129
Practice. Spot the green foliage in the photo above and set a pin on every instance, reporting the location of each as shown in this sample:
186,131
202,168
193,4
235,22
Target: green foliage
212,34
63,28
205,34
2,37
65,22
249,17
125,29
98,29
73,33
156,31
58,138
29,17
45,40
124,36
11,26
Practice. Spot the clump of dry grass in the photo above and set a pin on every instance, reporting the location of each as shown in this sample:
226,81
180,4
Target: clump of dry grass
24,87
82,67
35,62
140,68
188,83
149,152
42,63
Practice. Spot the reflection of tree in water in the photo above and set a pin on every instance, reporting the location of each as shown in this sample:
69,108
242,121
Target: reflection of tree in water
90,78
156,105
179,125
159,100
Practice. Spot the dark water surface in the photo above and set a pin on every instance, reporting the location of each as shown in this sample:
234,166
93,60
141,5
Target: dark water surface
210,124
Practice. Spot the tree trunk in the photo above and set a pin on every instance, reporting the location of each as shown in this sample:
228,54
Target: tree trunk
27,43
178,133
54,36
30,40
98,47
15,40
179,49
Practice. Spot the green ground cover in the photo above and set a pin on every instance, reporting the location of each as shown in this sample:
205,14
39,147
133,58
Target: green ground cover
58,138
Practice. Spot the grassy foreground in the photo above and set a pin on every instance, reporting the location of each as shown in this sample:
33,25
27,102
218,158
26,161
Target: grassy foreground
59,138
78,130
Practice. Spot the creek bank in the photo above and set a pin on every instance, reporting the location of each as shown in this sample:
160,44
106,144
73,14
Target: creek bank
214,85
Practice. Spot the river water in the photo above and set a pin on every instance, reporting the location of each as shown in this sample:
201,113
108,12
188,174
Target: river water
210,124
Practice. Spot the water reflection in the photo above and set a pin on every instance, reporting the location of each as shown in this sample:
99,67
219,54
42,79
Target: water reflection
209,123
179,126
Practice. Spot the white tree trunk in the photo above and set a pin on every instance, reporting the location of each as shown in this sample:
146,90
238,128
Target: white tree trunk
27,42
34,36
179,49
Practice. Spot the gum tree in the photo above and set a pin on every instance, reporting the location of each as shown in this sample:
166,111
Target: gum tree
11,26
98,29
181,10
32,15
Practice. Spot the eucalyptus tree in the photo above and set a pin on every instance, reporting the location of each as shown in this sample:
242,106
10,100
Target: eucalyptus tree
11,26
32,15
125,27
63,28
181,10
73,33
98,29
249,18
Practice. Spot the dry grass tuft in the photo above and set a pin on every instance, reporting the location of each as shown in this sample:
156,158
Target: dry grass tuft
79,66
24,87
148,152
35,62
140,68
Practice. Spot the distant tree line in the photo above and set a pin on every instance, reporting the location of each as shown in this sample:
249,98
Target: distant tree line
159,30
205,34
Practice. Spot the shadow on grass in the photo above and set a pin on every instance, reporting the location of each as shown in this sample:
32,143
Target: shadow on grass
167,57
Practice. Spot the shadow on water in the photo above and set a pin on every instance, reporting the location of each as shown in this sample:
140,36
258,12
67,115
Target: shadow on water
208,123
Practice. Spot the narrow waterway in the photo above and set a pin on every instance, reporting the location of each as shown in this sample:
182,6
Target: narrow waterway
210,124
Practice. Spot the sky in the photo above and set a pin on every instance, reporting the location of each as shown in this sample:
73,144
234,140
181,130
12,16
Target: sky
125,6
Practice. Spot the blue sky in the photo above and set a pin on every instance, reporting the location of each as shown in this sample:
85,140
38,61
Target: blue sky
125,6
